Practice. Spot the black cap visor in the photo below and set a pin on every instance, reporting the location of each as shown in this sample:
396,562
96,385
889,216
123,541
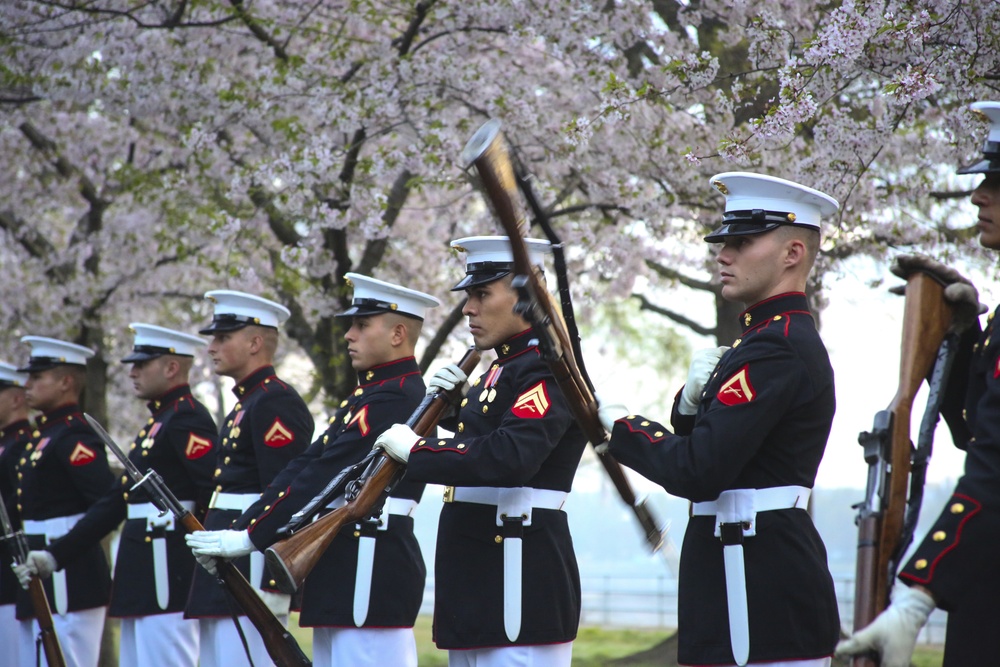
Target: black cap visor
369,307
38,364
147,352
481,273
229,322
990,164
740,229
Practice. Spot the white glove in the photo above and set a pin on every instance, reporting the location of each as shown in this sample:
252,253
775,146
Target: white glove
703,362
278,603
894,632
397,441
221,543
208,563
39,564
609,411
447,379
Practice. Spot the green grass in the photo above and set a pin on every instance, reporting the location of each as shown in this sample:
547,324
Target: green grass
594,646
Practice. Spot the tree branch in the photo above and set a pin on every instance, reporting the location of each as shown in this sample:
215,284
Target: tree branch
440,336
258,31
645,304
675,275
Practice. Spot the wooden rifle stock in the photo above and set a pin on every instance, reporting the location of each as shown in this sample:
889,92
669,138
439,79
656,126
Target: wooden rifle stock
47,631
926,319
291,560
487,151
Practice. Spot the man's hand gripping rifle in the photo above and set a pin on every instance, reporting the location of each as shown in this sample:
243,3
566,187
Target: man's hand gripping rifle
47,638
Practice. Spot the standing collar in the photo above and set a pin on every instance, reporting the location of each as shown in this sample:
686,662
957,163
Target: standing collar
169,398
21,425
762,311
388,371
246,386
61,413
516,345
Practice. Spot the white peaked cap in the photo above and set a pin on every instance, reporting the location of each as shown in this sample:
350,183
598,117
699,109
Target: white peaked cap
992,112
489,258
47,353
990,164
11,377
374,297
152,341
235,310
758,203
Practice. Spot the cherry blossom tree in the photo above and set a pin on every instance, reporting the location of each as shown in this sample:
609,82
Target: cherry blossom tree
156,149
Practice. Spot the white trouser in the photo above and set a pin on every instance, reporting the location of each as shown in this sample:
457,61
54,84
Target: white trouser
364,647
9,636
817,662
79,635
548,655
160,639
221,645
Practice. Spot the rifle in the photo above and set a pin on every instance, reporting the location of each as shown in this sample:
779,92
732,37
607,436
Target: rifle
280,643
291,560
43,613
487,151
885,516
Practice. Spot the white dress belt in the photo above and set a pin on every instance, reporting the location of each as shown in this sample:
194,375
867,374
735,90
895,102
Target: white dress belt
543,499
366,552
735,513
51,529
742,504
150,511
233,501
514,507
158,524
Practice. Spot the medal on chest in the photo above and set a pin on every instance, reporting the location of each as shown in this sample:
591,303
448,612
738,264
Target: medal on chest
234,432
147,443
489,393
37,454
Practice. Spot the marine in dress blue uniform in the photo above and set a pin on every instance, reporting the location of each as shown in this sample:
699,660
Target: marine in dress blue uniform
753,583
153,567
62,472
507,585
363,595
15,433
267,428
955,566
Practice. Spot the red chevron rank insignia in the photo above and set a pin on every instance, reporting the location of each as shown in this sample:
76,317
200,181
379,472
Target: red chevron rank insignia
362,421
197,447
278,435
737,389
82,455
532,404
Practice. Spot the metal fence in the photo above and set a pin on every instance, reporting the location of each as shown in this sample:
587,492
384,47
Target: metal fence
651,601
